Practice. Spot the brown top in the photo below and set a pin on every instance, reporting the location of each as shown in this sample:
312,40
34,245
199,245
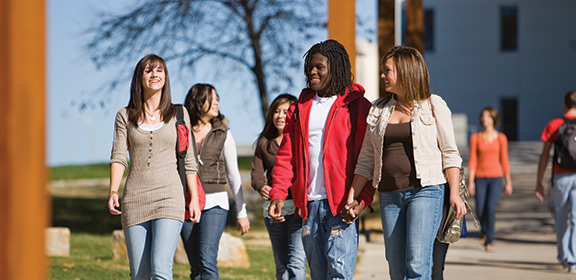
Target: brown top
263,164
153,188
398,170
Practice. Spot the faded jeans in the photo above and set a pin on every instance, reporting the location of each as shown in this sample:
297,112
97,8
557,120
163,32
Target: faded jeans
410,221
151,246
564,203
330,244
286,239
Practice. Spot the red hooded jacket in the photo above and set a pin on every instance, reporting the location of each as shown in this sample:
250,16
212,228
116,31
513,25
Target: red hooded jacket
343,135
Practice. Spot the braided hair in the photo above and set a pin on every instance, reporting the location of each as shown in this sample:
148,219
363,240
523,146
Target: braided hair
339,66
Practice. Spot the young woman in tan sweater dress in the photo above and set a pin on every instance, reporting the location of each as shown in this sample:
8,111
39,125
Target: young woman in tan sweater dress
153,198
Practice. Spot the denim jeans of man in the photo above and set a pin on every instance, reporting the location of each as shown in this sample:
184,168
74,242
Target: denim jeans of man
202,241
330,244
286,239
410,221
564,204
487,196
151,246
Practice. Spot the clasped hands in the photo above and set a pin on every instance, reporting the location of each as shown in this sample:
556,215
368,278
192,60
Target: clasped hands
351,211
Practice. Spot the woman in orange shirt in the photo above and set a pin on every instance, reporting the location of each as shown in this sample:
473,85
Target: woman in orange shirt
488,164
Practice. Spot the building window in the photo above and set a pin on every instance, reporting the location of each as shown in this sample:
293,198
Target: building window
429,29
509,28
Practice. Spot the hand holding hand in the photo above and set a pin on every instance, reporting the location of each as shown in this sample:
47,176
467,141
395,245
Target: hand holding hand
351,211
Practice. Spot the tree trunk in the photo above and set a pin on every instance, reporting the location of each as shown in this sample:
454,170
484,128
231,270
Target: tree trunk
415,24
385,31
257,69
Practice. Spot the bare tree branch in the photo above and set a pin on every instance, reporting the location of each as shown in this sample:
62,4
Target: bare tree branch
266,38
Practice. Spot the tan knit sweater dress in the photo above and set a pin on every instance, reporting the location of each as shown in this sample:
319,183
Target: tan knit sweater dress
153,188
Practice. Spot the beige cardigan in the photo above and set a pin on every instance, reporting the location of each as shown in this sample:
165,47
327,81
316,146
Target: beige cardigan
432,137
153,188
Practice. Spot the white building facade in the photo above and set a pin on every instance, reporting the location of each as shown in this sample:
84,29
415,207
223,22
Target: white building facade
518,56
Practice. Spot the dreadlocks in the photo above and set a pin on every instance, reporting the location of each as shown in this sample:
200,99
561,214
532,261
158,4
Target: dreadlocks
338,64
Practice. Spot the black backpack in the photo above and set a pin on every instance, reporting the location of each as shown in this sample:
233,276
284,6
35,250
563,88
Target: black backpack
565,145
181,144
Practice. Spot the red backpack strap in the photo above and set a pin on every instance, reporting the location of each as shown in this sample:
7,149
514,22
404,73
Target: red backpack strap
181,144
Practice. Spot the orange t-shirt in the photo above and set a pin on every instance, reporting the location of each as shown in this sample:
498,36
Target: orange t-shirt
489,160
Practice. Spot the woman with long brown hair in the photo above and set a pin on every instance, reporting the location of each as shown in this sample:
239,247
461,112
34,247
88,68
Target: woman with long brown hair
409,153
153,199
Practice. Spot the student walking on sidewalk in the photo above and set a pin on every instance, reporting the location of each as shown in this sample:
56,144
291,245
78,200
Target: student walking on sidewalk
563,190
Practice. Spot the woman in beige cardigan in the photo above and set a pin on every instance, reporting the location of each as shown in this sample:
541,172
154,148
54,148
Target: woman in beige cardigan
153,198
409,152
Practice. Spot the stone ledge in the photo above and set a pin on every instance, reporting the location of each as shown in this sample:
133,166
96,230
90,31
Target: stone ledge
232,251
57,241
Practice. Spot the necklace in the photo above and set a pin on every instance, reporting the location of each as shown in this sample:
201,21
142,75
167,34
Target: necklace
152,117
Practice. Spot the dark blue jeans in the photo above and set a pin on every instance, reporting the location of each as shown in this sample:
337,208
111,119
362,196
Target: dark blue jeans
286,239
487,195
201,242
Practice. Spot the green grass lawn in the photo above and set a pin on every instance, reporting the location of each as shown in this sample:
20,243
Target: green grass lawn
102,170
91,258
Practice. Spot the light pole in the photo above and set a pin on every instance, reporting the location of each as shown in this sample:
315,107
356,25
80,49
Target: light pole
398,22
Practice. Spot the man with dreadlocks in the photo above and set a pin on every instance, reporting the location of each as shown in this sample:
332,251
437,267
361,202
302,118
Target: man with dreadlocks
322,139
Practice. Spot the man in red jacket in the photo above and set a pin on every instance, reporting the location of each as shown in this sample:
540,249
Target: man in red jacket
322,139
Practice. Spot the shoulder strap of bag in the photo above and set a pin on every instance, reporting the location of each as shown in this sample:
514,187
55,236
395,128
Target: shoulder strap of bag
180,155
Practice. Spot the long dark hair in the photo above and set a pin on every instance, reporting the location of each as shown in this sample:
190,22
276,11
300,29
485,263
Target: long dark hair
339,67
270,131
135,106
195,100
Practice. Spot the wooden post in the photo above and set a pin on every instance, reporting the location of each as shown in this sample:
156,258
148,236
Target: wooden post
342,26
385,31
23,199
415,25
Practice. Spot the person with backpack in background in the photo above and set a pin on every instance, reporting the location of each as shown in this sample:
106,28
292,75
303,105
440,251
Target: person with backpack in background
560,133
487,165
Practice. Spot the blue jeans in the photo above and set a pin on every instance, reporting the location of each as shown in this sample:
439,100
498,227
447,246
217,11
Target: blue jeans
201,242
410,221
151,246
487,195
564,203
330,244
286,239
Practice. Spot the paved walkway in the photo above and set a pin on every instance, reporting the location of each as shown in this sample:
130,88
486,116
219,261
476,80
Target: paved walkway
525,242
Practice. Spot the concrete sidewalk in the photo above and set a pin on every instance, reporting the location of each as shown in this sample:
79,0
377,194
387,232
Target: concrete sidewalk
525,245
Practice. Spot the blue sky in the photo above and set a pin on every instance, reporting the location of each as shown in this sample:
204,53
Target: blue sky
79,137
